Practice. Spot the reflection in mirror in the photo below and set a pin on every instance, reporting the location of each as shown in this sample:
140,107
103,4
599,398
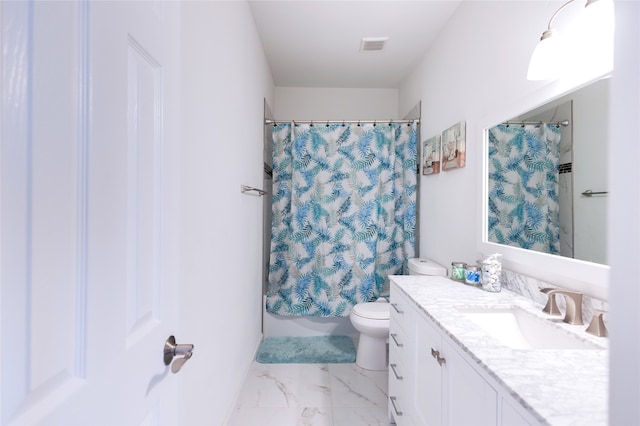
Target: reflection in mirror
545,167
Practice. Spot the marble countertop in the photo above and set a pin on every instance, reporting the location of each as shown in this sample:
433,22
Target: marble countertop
557,386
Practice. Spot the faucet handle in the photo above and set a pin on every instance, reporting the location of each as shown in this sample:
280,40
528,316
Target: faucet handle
551,307
597,327
573,305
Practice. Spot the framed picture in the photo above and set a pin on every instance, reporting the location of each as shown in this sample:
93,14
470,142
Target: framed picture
431,156
454,153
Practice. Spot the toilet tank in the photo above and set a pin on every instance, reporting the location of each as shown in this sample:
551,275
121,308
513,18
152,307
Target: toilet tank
419,266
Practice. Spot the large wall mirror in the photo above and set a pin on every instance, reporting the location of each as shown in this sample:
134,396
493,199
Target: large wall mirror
545,191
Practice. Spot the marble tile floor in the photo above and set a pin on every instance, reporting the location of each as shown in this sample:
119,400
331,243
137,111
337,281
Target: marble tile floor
312,395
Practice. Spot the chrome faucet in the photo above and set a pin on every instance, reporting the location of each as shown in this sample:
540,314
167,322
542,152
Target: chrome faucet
573,299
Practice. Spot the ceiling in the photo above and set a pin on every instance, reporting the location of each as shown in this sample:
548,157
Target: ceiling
310,43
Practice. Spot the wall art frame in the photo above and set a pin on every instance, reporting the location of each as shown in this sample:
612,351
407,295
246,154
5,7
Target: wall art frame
431,155
454,152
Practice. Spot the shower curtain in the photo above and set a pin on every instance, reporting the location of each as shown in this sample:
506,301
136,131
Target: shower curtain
344,214
523,186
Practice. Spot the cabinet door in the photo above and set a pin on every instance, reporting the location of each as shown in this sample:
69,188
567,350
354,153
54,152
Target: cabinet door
469,399
427,395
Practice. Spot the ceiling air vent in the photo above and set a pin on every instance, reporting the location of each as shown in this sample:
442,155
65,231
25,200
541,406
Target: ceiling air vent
373,44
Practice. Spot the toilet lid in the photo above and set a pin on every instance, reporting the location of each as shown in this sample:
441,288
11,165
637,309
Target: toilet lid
373,310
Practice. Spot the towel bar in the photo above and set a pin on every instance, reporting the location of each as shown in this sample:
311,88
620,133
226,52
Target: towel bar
589,193
247,188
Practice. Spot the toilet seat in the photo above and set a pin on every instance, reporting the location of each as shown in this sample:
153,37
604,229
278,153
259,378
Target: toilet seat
372,310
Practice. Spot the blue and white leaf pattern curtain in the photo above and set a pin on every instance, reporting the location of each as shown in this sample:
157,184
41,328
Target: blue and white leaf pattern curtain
344,214
523,186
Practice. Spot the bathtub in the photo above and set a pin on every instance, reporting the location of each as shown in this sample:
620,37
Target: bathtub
279,325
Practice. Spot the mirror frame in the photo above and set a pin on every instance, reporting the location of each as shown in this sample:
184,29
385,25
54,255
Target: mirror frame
578,275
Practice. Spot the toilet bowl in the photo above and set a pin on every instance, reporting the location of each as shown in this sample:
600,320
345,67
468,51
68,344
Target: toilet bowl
371,320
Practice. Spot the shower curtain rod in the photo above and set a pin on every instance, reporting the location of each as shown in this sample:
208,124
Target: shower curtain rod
268,121
563,123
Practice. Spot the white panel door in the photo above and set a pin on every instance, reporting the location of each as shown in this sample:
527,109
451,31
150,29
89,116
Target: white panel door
89,212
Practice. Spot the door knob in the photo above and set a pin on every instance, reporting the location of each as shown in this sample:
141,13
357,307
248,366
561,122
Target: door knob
172,350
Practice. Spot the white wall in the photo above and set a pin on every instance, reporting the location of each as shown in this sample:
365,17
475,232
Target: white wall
477,67
309,103
225,78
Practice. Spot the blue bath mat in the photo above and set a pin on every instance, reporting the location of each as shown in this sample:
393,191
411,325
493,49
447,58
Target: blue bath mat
307,350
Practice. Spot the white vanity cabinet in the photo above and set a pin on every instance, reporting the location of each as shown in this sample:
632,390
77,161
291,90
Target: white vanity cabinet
447,390
432,381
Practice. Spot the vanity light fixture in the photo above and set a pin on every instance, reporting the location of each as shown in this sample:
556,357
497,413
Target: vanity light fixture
595,27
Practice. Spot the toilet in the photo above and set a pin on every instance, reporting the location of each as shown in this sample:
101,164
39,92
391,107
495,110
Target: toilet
371,320
418,266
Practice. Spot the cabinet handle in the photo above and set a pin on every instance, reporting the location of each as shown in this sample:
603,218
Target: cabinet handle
395,339
393,402
395,306
436,355
395,373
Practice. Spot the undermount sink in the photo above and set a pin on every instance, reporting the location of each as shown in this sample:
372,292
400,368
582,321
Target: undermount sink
519,329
